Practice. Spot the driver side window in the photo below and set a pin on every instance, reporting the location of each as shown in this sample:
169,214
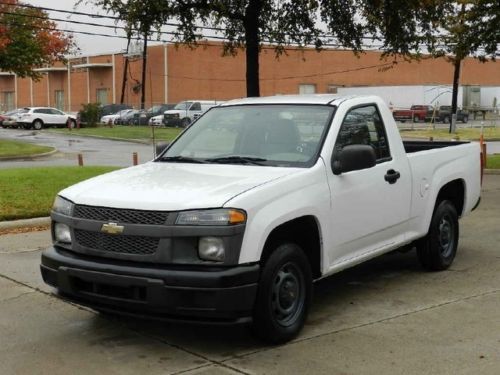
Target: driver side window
364,126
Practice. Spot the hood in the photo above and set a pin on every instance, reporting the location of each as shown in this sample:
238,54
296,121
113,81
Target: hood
172,186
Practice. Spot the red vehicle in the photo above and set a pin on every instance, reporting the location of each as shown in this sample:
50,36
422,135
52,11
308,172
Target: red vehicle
416,113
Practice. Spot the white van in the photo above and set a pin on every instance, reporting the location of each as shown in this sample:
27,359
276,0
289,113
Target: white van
186,112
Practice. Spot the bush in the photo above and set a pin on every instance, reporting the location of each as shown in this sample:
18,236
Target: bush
90,114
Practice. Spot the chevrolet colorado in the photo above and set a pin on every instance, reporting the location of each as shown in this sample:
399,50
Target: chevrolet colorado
253,202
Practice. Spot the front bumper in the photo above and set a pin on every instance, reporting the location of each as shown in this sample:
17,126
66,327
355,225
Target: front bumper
172,121
203,294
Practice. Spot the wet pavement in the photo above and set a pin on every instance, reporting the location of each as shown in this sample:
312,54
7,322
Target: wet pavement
95,151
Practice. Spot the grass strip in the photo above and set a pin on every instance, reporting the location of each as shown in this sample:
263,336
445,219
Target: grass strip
493,161
10,148
143,133
29,192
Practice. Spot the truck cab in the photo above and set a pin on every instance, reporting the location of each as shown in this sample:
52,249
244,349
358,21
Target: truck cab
251,204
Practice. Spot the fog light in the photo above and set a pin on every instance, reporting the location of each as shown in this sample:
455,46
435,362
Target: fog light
62,233
211,248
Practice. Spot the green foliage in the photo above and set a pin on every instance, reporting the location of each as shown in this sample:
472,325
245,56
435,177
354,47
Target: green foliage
15,148
28,40
30,192
90,114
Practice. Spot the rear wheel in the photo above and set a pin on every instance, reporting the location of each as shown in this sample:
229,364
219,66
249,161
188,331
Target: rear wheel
284,295
437,250
37,125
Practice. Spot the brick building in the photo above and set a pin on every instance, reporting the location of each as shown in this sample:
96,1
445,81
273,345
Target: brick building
179,73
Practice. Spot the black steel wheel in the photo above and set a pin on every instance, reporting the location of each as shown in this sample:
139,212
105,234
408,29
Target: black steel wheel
437,250
284,294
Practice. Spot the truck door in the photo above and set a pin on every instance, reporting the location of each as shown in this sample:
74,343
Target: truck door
370,207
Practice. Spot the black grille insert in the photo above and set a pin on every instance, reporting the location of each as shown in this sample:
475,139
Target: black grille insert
134,245
120,215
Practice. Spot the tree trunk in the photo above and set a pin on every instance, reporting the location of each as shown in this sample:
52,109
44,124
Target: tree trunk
251,25
144,65
454,97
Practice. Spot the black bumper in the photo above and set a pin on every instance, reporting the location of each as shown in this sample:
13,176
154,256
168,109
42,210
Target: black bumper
224,295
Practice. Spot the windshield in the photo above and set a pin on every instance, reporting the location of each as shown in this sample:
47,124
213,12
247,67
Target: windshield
275,135
183,105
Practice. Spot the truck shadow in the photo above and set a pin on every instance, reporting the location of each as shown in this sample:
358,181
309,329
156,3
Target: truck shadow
342,300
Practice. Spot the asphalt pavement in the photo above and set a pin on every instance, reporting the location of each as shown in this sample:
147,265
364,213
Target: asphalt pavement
386,316
95,151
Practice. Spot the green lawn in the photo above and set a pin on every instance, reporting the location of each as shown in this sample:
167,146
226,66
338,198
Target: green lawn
30,192
471,134
143,133
493,161
16,148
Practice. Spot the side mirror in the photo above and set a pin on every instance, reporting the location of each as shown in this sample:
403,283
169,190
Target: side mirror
353,158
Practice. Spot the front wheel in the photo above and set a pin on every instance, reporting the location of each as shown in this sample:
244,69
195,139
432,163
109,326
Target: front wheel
284,295
37,125
465,119
437,250
185,122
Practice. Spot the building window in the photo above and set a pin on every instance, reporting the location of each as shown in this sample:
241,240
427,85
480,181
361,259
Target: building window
102,96
59,99
8,101
307,89
332,89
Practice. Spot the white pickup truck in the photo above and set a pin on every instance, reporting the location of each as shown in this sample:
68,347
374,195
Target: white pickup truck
252,203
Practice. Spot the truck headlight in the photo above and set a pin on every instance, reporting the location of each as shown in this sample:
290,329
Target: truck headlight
63,206
221,216
211,248
62,233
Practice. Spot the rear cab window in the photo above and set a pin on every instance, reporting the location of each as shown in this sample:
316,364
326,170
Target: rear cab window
364,126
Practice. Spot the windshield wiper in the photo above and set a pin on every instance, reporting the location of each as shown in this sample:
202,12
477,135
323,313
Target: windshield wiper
180,159
237,159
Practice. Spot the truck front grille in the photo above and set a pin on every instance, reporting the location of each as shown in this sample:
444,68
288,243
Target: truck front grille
120,215
134,245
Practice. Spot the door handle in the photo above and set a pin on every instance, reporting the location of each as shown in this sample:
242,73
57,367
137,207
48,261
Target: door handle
392,176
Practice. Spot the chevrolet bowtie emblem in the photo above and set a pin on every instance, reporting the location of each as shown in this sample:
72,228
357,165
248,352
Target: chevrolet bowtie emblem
112,228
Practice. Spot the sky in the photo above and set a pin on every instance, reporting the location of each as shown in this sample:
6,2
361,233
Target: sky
87,44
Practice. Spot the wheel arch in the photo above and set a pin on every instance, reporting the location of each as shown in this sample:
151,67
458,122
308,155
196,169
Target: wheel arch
305,232
454,191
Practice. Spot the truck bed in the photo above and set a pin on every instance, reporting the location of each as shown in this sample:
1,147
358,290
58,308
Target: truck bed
416,146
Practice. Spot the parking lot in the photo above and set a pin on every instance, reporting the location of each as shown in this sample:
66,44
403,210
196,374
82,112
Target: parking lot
384,317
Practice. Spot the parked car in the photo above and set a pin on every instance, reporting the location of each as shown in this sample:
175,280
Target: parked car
186,112
40,117
156,121
249,205
9,119
416,113
142,118
110,109
443,114
115,118
128,117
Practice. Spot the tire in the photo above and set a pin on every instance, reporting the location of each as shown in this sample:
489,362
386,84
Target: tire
465,119
37,125
416,119
437,250
185,122
283,296
446,120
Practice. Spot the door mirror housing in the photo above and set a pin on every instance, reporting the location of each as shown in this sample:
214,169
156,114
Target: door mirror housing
353,158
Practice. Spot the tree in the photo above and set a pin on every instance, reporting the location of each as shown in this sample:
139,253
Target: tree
28,39
248,24
453,30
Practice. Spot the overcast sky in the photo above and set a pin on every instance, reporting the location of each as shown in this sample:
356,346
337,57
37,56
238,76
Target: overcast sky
87,44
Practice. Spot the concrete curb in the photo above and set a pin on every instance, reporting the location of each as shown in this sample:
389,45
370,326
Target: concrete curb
492,171
25,223
34,156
